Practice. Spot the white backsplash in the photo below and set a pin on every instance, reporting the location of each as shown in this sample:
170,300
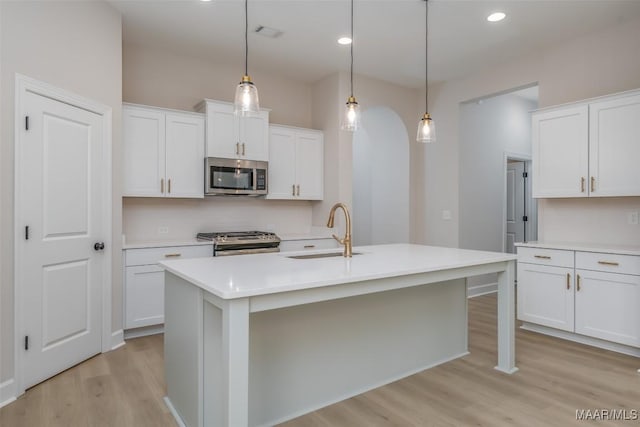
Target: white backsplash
596,220
156,219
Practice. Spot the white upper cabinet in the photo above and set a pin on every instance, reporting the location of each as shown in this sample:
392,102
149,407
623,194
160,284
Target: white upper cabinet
560,152
163,153
614,146
296,167
233,137
589,149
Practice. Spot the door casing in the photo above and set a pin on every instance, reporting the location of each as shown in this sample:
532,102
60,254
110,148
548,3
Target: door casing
24,84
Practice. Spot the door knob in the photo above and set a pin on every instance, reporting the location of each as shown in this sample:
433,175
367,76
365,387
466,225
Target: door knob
98,246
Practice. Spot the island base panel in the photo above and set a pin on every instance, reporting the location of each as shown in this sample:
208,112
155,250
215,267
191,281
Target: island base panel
305,357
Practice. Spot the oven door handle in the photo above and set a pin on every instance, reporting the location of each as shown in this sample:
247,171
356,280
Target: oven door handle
245,251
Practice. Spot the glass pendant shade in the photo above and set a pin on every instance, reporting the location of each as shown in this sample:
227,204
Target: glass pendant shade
246,101
426,129
351,117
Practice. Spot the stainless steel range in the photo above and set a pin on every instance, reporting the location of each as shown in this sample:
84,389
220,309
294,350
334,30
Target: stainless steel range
241,242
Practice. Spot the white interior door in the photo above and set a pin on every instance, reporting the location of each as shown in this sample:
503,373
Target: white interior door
61,199
515,205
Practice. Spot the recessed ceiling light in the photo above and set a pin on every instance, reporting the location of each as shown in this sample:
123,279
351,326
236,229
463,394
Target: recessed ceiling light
344,40
496,16
205,0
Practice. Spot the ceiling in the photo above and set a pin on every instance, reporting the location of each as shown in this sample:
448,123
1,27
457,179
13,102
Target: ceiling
388,34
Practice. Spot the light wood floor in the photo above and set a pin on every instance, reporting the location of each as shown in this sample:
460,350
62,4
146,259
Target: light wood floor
125,388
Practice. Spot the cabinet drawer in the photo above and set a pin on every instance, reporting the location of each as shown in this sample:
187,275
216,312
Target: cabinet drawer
556,257
307,244
153,255
625,264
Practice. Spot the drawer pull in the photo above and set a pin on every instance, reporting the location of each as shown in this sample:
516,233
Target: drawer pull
615,264
568,281
309,246
578,282
542,256
172,255
593,184
582,184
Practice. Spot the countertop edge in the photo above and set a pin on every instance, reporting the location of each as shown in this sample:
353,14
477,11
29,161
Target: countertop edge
582,247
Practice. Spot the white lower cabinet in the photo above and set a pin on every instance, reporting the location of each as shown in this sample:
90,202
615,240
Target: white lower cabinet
144,281
595,295
545,295
307,244
607,306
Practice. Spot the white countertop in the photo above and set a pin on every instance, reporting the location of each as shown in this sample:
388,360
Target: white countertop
164,244
584,247
261,274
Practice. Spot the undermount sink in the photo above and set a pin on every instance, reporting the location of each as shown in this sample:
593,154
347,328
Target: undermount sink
324,255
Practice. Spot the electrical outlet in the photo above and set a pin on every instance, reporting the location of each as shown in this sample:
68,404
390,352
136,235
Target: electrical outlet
163,230
446,215
633,218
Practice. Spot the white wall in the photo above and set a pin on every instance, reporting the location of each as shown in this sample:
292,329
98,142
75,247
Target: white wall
329,96
166,79
487,130
604,62
76,46
380,179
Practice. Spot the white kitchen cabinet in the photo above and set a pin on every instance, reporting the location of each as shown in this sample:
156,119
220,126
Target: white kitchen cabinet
587,149
545,292
163,152
589,294
308,244
144,281
296,166
614,146
235,137
560,157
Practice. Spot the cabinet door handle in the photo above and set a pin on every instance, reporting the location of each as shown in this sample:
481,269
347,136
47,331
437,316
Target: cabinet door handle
237,148
593,184
309,246
542,256
243,148
169,185
578,282
582,184
298,189
172,255
293,190
162,185
568,281
615,264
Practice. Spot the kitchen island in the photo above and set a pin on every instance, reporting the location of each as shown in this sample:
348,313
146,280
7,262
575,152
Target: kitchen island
256,340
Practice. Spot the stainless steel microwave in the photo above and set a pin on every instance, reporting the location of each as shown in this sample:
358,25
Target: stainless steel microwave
235,177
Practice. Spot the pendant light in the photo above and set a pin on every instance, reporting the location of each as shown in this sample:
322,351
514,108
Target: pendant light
246,100
351,117
426,127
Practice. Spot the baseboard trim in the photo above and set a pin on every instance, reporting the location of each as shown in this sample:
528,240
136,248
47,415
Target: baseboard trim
480,290
117,339
144,331
7,392
173,411
582,339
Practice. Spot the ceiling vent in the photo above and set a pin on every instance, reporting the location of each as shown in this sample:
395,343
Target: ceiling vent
272,33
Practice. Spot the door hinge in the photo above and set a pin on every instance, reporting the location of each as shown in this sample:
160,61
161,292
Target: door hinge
26,122
26,342
525,175
26,233
525,218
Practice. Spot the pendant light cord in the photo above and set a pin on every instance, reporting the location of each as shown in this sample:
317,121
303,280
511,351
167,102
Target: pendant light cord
426,53
351,48
246,37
